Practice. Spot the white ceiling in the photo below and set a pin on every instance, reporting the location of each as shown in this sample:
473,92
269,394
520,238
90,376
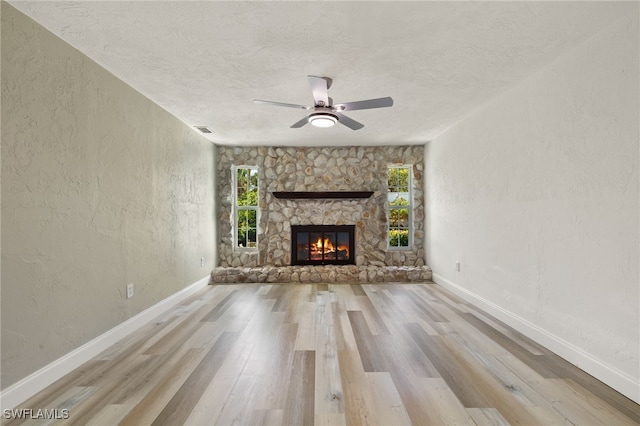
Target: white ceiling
205,61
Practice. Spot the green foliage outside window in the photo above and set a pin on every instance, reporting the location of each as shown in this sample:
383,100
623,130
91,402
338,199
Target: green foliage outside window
399,206
247,206
398,179
398,238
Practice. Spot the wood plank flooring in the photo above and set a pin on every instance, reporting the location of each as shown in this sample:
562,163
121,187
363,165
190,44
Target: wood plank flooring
324,354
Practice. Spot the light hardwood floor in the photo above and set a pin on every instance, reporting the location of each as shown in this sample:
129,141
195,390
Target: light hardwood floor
386,354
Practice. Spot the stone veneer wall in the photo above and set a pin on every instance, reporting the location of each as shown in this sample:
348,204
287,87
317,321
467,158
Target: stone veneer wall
320,169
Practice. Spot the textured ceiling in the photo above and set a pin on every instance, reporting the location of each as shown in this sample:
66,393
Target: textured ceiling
205,61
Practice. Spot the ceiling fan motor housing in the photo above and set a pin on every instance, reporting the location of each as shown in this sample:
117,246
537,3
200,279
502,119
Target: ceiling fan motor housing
323,118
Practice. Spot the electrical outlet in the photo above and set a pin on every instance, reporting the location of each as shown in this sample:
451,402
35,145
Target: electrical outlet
202,261
458,265
129,291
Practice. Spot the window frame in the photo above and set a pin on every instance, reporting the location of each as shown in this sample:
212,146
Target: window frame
237,208
409,208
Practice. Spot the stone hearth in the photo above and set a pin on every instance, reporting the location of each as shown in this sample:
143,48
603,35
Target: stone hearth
322,274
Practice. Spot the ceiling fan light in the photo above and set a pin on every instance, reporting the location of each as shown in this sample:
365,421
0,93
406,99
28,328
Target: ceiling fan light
322,119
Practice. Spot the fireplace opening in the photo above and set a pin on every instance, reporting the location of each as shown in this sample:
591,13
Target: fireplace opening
323,245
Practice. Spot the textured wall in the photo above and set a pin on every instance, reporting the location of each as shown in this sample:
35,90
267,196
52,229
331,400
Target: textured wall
100,188
537,195
320,169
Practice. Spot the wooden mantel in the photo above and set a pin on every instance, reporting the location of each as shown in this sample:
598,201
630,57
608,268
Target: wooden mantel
296,195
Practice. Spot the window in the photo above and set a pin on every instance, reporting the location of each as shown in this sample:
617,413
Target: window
246,207
399,207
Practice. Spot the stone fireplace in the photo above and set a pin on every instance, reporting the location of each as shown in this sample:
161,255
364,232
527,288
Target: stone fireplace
348,186
323,245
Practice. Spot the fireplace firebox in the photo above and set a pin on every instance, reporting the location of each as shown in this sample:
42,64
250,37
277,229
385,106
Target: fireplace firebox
323,245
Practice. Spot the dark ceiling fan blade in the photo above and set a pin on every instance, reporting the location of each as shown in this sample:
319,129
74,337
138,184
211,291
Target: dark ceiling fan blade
319,87
258,101
349,122
300,123
368,104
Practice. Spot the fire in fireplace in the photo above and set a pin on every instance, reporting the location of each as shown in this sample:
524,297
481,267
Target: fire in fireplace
322,244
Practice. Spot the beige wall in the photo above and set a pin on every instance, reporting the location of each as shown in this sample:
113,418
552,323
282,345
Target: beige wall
536,194
100,188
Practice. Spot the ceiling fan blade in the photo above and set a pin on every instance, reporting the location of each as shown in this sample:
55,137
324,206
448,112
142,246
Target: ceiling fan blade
349,122
368,104
258,101
319,87
300,123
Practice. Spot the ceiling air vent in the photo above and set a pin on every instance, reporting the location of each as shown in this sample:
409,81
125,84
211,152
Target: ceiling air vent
204,129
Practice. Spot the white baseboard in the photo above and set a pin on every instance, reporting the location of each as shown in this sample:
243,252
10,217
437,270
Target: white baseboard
37,381
618,380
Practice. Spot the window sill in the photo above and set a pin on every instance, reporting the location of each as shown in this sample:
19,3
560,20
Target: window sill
246,249
408,248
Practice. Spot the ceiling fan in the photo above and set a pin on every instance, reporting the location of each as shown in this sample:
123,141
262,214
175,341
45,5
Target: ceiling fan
325,113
